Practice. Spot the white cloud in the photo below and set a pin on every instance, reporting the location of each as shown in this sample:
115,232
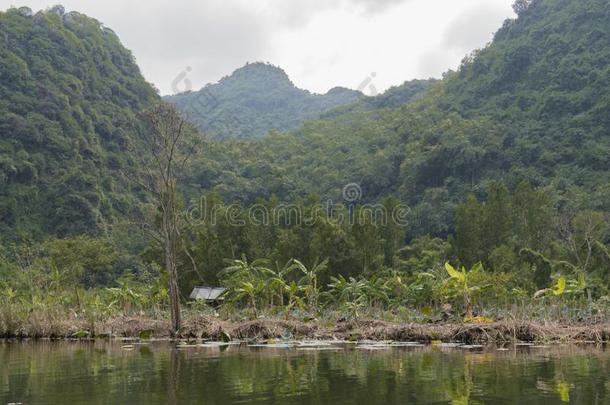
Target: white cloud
474,25
471,28
320,43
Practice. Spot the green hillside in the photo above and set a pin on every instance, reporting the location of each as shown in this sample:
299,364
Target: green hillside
492,120
505,161
546,78
501,167
529,107
254,100
69,92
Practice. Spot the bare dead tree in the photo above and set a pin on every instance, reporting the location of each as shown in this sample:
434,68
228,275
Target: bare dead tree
581,233
166,150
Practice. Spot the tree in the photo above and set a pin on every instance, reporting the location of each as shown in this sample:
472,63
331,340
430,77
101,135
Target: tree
167,151
468,241
496,227
582,233
521,6
533,216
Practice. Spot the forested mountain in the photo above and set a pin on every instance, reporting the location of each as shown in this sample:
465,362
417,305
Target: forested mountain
504,162
69,92
546,79
255,100
394,97
532,106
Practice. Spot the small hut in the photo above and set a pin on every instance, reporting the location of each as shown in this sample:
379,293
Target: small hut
211,295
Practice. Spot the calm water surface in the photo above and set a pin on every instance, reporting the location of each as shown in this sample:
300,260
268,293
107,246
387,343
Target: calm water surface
159,373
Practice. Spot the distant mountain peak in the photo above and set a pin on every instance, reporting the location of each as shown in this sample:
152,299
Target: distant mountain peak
259,72
254,100
262,68
342,90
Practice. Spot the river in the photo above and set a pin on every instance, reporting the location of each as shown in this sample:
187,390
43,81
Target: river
102,372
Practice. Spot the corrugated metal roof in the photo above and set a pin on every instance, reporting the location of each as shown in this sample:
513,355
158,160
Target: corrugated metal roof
207,293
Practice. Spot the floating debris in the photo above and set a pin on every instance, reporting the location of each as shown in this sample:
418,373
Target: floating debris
368,342
406,344
184,344
450,345
81,334
218,344
471,347
274,345
313,343
372,347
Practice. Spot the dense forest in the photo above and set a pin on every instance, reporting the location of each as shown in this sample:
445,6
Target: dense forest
69,95
501,170
254,100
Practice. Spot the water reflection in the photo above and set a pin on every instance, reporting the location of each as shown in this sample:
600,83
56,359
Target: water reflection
103,372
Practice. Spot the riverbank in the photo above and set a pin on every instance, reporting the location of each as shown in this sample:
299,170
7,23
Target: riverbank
210,328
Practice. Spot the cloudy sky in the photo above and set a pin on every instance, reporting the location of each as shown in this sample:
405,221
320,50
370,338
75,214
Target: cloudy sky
319,43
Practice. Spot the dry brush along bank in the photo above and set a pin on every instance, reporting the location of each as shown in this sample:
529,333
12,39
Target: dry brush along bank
210,328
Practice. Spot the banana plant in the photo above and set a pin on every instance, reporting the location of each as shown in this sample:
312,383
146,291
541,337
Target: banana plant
345,290
239,270
244,278
577,285
557,290
294,300
309,281
461,281
350,293
99,308
126,294
278,280
565,286
376,291
249,291
352,308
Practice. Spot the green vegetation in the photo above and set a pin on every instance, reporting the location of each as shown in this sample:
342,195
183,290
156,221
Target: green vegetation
504,165
478,124
364,273
255,100
69,93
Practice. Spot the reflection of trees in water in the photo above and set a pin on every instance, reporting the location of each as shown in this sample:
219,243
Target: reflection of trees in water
110,374
173,376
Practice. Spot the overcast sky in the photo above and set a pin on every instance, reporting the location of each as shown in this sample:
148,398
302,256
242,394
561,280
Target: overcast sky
319,43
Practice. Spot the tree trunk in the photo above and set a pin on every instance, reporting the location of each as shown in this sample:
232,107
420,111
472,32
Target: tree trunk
174,297
170,240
